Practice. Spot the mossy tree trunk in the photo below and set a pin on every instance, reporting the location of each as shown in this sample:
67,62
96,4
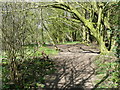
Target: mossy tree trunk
94,31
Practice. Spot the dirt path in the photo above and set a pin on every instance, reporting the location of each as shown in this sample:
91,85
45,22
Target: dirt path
75,68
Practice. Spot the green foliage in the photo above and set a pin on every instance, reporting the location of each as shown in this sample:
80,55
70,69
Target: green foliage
117,48
107,65
23,23
31,72
117,75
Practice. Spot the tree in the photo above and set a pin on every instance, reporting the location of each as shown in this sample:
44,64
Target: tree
96,20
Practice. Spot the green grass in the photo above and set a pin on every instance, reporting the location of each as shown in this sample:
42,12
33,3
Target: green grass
48,51
31,51
75,42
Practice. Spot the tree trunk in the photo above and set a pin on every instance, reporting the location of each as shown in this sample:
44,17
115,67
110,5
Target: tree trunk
95,32
103,48
84,34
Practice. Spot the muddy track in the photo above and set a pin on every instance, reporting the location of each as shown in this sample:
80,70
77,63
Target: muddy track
75,67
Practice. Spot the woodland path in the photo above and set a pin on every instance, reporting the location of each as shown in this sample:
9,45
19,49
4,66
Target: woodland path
75,67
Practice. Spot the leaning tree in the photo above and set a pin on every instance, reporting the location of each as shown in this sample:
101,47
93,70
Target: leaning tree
95,16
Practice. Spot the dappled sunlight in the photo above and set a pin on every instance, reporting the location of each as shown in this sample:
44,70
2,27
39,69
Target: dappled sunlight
59,45
74,70
30,73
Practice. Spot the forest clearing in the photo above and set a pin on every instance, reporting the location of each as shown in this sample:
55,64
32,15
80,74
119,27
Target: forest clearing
60,45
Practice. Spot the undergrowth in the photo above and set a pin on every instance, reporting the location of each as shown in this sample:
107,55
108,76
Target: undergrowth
106,72
31,69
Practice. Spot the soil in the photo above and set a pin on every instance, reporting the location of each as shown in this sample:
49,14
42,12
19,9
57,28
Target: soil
75,67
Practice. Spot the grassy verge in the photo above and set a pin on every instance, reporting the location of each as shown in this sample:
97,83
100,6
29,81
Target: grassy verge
33,51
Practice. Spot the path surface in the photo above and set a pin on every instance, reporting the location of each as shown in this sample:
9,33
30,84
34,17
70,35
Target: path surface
75,67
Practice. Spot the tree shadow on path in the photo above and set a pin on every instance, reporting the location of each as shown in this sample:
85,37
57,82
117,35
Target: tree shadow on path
70,75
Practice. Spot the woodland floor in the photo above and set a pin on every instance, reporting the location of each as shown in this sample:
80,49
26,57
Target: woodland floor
75,67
